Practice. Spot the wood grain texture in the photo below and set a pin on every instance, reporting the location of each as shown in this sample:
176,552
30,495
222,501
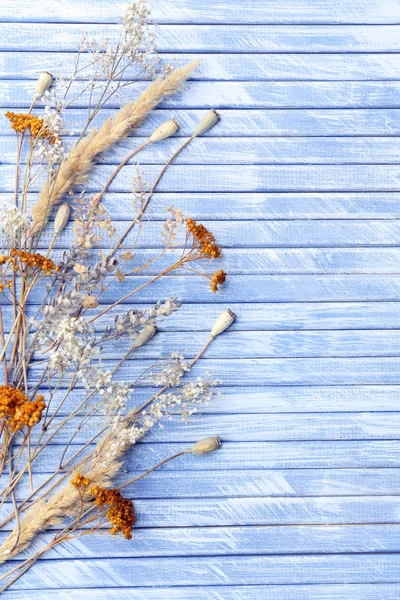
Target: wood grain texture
240,122
362,591
232,94
195,571
300,183
304,11
243,39
233,67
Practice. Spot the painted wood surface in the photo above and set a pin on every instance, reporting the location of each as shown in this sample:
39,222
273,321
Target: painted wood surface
300,181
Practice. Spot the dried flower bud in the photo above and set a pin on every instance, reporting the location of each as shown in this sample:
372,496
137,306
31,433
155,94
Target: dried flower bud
207,122
223,322
145,335
164,131
207,445
43,83
62,217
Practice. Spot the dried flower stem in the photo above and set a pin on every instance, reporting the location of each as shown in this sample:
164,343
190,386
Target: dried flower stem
117,170
149,196
64,503
79,162
79,521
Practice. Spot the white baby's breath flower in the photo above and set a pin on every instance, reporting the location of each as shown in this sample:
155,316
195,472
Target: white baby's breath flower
13,223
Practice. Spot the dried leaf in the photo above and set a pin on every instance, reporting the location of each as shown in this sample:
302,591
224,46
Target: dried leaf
90,302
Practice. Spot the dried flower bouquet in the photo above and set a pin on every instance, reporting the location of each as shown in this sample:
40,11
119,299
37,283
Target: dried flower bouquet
56,327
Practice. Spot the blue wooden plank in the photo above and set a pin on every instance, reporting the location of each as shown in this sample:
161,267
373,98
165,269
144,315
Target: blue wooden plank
254,455
336,568
262,344
277,371
231,67
233,94
265,234
257,206
237,483
277,399
269,316
59,37
196,541
222,512
263,151
188,11
251,428
362,591
244,178
255,123
258,261
269,288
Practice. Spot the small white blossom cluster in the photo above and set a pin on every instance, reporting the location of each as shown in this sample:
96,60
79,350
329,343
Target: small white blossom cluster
103,73
50,153
173,372
136,32
114,398
13,223
72,345
186,399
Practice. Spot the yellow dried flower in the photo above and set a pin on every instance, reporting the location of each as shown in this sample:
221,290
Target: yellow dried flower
17,410
204,238
21,123
35,261
80,481
218,279
120,511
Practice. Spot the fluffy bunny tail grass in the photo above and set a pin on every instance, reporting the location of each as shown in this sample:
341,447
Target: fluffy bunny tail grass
65,503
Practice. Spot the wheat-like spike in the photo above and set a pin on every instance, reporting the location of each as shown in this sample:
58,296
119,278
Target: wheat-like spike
64,503
80,160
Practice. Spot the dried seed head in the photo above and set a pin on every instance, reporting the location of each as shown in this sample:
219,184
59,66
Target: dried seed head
207,122
145,335
164,131
62,217
43,83
223,322
207,445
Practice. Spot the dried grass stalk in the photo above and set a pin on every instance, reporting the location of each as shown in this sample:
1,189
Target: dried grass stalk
79,162
65,503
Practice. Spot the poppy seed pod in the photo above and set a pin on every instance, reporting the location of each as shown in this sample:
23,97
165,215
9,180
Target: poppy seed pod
43,83
62,217
207,122
223,322
207,445
145,335
164,131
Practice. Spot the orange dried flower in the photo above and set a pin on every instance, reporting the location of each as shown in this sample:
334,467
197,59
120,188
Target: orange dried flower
24,122
37,261
204,238
18,410
120,511
218,279
80,481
